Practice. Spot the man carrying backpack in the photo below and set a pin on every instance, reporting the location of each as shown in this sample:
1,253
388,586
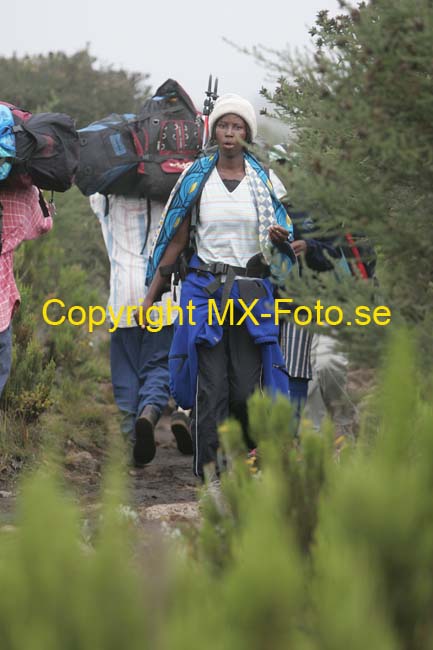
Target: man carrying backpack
21,218
139,358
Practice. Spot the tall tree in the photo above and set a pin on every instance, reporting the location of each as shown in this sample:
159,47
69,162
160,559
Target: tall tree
360,107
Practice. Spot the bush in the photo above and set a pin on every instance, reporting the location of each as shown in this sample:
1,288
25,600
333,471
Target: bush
359,112
317,550
69,263
28,390
57,592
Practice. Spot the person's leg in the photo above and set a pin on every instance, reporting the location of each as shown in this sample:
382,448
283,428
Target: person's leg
180,424
153,369
245,366
127,426
315,407
332,369
298,388
153,393
211,404
327,393
5,356
124,348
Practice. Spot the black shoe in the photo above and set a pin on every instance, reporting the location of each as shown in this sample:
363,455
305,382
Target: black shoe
180,426
144,445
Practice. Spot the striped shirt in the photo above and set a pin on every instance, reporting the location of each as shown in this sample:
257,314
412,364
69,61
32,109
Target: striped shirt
128,239
228,230
22,220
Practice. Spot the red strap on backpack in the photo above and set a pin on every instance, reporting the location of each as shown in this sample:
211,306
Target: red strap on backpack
139,149
357,256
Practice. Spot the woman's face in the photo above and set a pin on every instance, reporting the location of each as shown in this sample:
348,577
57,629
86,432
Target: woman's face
230,131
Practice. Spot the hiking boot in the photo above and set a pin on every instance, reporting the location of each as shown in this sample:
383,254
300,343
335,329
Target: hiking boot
180,426
144,445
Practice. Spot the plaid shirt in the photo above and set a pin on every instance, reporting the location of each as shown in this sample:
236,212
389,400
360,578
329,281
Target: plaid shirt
22,220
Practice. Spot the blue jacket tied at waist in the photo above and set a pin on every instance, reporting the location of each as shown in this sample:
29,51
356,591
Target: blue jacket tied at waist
183,360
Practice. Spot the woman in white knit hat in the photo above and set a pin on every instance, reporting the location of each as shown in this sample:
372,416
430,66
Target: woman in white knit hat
241,237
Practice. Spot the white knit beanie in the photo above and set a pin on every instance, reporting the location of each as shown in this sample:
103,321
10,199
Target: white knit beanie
231,103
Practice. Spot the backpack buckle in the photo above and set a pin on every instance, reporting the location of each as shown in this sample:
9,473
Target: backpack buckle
219,268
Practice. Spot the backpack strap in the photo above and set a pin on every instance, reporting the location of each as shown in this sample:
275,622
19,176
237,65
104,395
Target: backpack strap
195,220
149,219
180,267
43,205
183,208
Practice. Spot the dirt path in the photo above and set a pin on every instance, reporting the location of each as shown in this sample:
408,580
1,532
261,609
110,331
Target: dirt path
165,490
169,478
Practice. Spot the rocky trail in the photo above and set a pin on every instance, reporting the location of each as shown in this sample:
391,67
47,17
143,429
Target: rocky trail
164,492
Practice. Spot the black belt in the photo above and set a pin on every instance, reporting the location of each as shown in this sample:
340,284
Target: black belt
218,268
256,270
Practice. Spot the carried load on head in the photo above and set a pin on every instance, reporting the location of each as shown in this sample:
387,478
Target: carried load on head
40,149
141,155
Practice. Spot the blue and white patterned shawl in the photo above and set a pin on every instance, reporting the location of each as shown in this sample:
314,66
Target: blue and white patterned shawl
187,190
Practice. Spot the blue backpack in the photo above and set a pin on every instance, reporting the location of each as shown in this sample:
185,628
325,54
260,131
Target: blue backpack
141,155
7,141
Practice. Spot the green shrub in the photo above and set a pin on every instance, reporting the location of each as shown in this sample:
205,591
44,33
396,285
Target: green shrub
28,391
357,113
357,526
56,593
316,550
57,368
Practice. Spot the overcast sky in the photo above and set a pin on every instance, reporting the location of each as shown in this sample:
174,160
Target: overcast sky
182,39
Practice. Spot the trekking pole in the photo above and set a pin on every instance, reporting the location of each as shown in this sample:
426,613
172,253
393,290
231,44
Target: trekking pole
210,97
359,263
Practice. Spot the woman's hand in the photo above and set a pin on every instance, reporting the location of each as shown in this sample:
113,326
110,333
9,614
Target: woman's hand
278,234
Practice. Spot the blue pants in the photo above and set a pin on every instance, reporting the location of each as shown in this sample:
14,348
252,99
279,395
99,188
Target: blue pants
298,388
5,356
139,371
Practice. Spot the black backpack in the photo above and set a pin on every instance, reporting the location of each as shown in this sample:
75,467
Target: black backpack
46,150
141,155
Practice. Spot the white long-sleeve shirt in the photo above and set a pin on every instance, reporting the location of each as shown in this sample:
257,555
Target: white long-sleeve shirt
124,230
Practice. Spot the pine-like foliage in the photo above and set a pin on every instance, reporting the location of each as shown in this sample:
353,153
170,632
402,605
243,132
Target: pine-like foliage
359,109
315,550
27,392
58,592
68,263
